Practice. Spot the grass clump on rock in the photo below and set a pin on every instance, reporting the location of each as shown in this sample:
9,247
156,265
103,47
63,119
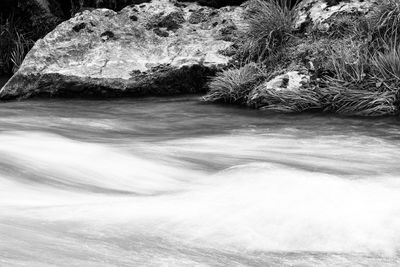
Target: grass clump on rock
269,26
234,85
385,23
343,100
366,77
387,65
289,101
351,62
361,85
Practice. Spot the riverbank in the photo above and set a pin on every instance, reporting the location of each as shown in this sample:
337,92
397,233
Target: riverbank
340,57
327,56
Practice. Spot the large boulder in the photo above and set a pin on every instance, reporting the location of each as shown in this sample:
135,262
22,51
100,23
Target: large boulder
154,48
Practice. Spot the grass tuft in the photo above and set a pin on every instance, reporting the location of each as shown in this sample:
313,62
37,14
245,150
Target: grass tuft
269,27
19,51
288,101
349,62
387,65
234,85
13,45
358,101
385,22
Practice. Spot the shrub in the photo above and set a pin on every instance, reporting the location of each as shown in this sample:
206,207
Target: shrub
269,26
234,85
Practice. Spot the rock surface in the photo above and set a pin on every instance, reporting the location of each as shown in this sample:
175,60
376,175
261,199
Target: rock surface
317,13
152,48
283,93
291,80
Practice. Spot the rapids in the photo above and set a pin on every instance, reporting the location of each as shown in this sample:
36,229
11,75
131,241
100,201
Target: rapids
174,182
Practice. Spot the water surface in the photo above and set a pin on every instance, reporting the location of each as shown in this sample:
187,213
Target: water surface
173,182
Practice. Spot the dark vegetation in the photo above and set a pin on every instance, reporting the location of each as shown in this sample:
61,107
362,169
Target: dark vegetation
354,67
22,23
222,3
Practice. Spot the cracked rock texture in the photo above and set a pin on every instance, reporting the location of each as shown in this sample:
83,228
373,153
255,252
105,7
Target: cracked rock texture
147,49
317,13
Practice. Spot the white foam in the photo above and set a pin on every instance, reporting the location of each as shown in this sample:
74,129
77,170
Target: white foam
255,206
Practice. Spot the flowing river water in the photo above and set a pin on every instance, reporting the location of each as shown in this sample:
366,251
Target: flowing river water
174,182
